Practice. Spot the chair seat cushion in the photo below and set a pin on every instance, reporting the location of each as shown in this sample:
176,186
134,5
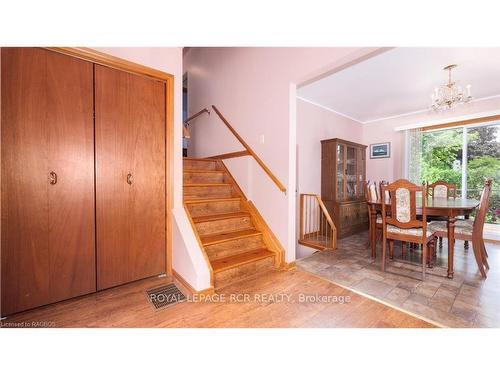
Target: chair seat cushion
461,226
408,231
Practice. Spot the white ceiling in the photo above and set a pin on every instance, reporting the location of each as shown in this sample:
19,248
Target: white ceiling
401,80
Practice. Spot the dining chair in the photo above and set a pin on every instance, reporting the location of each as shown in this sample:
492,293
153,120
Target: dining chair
469,230
371,195
387,194
387,199
403,224
441,189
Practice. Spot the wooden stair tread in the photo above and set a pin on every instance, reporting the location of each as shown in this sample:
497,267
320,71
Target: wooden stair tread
233,261
194,198
223,237
208,184
229,215
197,159
202,171
209,200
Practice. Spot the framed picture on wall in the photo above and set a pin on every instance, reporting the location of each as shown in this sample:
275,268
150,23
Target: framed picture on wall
380,150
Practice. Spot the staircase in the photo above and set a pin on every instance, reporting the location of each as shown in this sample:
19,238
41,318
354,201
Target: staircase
237,242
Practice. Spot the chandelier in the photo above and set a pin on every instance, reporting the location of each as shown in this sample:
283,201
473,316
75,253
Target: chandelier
446,96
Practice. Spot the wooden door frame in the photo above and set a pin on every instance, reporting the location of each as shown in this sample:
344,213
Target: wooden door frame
110,61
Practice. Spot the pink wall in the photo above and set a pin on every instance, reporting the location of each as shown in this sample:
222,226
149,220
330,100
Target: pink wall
255,89
383,131
389,169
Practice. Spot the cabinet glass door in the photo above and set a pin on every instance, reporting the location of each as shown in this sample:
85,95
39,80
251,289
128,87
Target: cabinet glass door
361,173
340,171
351,174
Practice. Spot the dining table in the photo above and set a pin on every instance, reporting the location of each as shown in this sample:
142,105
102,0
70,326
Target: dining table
449,208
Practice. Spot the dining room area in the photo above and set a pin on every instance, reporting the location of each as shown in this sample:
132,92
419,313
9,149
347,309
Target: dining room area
409,185
420,255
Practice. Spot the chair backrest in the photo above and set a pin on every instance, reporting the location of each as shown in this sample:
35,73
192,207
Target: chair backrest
403,212
442,189
387,193
368,198
483,208
372,193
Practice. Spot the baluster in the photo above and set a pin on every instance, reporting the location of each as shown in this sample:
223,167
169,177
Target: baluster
316,226
305,215
311,218
327,237
325,226
309,214
301,217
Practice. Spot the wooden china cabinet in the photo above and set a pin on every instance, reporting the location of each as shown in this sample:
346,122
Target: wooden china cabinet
343,172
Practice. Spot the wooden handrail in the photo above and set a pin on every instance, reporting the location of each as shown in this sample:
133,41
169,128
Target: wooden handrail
316,229
250,151
204,110
325,211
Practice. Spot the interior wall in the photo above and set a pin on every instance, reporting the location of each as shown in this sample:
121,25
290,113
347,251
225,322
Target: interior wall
315,123
187,257
254,88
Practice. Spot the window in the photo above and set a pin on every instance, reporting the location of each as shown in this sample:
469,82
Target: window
464,156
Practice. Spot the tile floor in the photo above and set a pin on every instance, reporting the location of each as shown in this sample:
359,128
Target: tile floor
464,301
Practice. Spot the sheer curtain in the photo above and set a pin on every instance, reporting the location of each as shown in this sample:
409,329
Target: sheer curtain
413,159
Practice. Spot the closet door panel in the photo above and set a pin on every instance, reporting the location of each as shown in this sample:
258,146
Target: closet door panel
48,243
112,191
71,200
130,176
25,252
147,242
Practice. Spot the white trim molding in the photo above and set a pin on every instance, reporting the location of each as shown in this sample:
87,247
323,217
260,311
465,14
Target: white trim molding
446,120
328,109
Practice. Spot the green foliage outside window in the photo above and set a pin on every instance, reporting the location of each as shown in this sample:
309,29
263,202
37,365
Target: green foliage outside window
442,158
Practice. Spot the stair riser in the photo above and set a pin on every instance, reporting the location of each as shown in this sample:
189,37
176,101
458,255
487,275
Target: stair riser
200,164
213,208
203,178
235,247
201,192
243,272
222,226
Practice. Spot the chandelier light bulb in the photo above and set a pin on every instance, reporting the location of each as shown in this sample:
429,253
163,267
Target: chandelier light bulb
469,86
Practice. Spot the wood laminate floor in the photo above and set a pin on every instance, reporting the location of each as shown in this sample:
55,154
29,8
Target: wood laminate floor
277,299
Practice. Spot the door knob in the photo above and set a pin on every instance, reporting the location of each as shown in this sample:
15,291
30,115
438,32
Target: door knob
130,179
52,178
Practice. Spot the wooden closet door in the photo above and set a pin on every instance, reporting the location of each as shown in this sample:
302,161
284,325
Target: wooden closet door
25,234
47,229
130,176
69,114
